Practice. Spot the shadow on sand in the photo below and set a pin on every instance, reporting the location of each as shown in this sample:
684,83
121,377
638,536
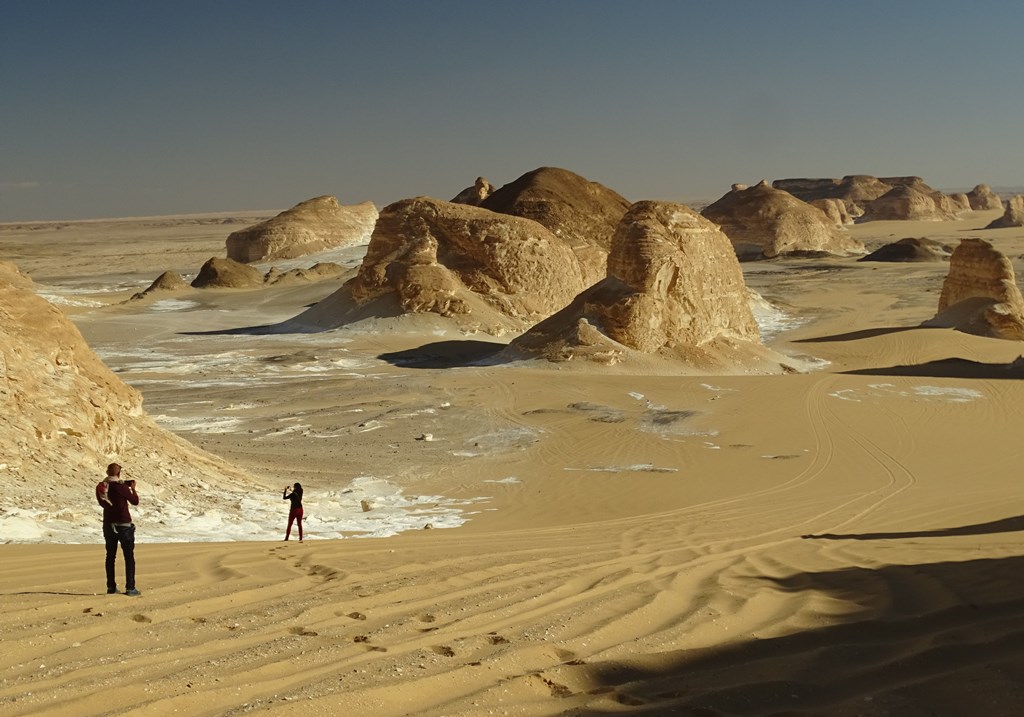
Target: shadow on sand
862,334
445,354
943,638
1004,525
948,368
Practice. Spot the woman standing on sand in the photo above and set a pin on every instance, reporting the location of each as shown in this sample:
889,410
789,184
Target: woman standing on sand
295,514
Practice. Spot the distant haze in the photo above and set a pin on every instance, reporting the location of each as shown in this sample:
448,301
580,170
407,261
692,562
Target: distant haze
127,108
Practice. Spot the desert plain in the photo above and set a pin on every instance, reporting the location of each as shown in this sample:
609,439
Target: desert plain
840,540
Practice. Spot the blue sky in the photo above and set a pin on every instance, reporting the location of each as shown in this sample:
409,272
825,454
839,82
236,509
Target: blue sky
140,108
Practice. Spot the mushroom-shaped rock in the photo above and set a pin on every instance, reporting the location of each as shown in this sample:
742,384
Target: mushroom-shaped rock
673,288
982,198
581,212
980,294
1013,216
764,222
218,273
311,226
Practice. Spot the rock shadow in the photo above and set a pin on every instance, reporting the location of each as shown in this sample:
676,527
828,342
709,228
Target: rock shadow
446,354
862,334
1003,525
943,638
948,368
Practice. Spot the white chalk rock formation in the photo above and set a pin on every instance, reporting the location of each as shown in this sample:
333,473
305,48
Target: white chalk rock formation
64,415
835,209
311,226
764,222
1013,216
476,194
673,288
579,211
982,198
169,281
481,270
980,294
908,202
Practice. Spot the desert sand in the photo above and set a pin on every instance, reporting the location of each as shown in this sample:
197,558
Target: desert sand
842,541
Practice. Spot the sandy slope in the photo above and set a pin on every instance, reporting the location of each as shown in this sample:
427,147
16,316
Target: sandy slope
843,542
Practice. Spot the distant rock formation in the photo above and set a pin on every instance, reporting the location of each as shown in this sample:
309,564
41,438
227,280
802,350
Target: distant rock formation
219,273
982,198
960,202
980,294
1013,216
65,415
909,202
311,226
835,209
476,194
318,272
854,190
168,281
764,222
481,270
673,288
580,212
863,194
910,249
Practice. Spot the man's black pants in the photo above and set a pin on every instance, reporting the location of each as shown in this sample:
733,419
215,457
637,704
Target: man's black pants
125,535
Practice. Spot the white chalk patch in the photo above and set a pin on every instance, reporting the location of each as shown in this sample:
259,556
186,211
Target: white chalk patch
508,481
167,305
635,468
845,394
956,395
201,424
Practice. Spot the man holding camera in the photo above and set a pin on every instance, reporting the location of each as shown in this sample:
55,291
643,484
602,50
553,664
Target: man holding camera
114,494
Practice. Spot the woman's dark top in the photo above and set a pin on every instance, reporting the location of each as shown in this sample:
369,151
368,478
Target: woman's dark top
295,497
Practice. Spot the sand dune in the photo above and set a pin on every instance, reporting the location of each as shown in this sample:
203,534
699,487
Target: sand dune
837,542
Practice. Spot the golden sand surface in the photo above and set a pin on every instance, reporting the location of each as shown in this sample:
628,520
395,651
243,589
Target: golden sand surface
837,542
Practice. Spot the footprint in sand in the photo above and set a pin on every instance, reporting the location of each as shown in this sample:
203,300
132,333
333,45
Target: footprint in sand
375,648
199,620
141,618
356,616
557,690
361,638
427,617
496,639
564,655
443,650
302,631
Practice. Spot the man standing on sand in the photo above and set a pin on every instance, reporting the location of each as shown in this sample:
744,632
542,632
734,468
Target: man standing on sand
114,494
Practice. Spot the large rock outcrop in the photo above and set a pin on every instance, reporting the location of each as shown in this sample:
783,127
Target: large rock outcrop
169,281
764,222
910,202
64,415
980,294
581,212
982,198
482,270
673,288
311,226
1013,216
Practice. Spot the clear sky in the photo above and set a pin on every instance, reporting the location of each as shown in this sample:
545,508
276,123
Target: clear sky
145,107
